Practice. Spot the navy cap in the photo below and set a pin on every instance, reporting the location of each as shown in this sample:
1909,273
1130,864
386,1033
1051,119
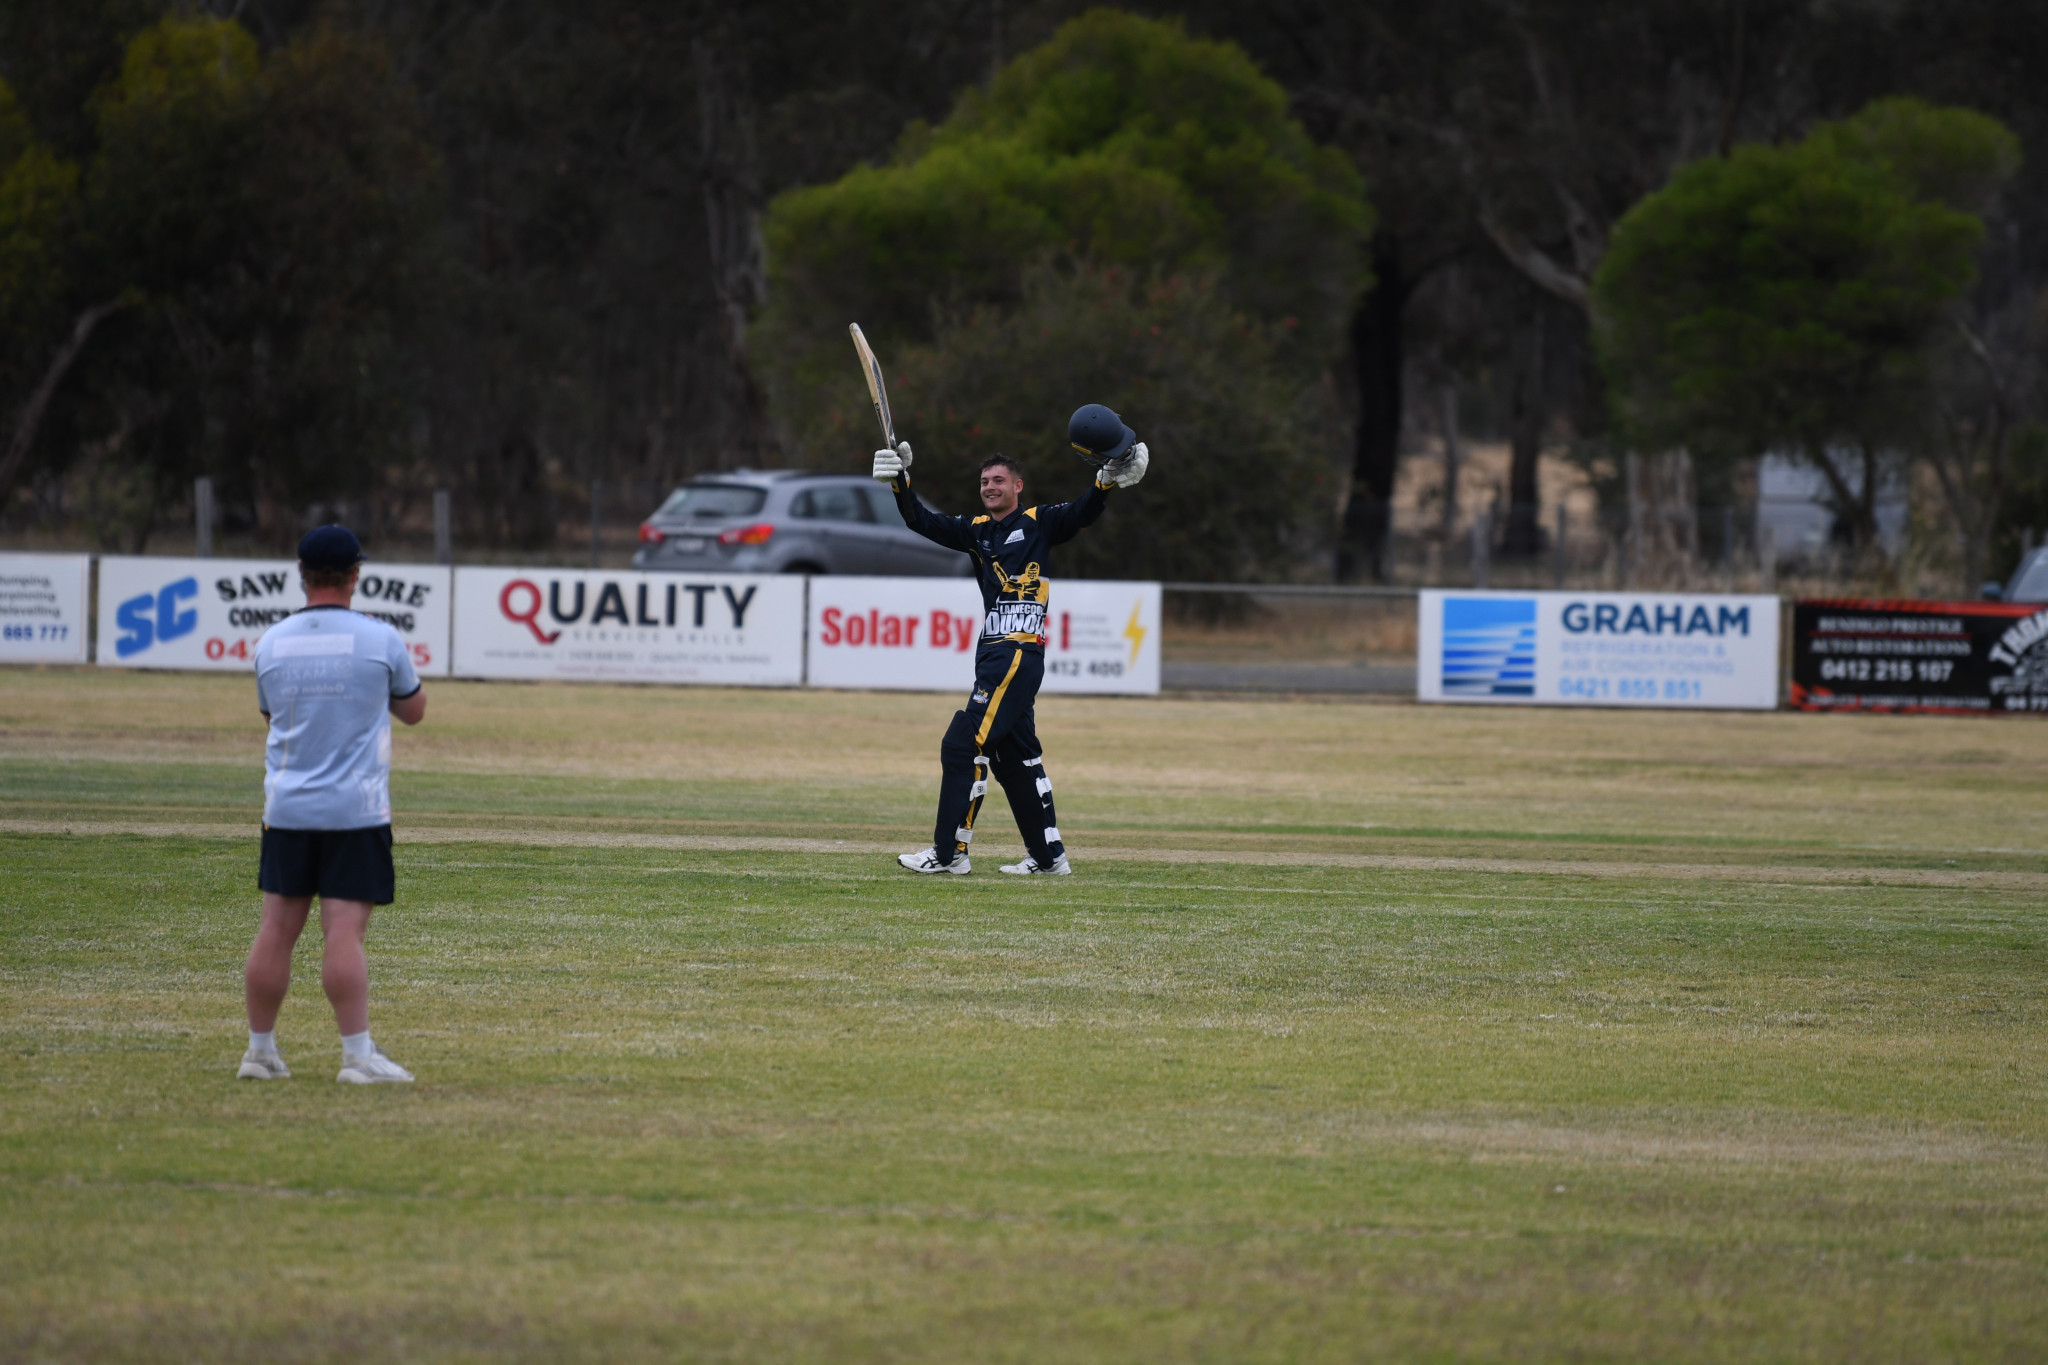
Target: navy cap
328,548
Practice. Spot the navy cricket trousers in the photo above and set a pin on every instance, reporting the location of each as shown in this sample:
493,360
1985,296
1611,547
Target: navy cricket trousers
996,731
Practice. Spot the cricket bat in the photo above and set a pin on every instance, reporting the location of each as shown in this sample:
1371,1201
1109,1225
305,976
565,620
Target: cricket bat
871,370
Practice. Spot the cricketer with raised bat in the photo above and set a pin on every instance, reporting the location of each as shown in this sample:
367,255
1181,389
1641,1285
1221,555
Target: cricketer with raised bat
1011,546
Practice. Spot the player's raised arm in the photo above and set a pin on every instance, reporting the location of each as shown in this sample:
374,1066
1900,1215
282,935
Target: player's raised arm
893,468
1101,439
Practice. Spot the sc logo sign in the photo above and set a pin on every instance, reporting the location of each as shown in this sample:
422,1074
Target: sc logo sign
150,618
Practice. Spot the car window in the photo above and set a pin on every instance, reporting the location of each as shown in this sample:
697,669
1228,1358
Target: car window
713,500
831,502
886,510
2030,584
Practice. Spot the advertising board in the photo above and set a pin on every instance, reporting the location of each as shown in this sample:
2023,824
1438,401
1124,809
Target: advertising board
918,634
209,613
1879,654
1598,649
42,608
593,625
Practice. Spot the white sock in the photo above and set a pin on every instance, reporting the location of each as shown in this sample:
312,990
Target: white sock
262,1042
356,1046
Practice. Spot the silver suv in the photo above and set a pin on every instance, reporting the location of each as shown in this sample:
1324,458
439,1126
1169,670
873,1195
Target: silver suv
788,521
2029,582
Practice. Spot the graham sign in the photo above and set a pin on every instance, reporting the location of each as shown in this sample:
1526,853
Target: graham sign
1598,649
42,608
209,613
919,634
1877,654
630,627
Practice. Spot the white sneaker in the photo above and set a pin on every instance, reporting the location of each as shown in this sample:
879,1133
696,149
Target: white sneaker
263,1066
928,861
1030,868
373,1070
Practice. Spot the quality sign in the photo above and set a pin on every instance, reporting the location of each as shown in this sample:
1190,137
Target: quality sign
919,634
734,629
209,613
42,608
1598,649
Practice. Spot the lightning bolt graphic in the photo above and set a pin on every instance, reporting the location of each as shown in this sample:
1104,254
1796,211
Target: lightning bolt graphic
1135,633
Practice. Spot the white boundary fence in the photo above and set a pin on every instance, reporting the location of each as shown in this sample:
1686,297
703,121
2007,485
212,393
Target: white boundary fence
43,608
914,634
209,613
1629,649
918,634
589,625
592,625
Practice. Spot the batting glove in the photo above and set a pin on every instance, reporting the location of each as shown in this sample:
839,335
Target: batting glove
1126,472
891,465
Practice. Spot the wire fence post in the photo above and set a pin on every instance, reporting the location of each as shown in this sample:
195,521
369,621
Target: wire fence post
1482,546
1557,543
1728,548
596,494
1631,537
202,515
444,528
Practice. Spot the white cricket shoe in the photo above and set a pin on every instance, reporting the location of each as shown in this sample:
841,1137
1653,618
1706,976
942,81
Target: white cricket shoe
1030,868
928,861
263,1066
375,1069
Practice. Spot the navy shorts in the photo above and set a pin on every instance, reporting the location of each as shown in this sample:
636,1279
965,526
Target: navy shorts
344,864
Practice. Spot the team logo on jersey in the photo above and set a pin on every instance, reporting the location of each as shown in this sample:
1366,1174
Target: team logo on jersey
1015,536
1030,583
1015,618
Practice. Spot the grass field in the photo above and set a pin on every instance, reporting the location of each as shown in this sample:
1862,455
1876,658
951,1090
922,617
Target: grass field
1365,1031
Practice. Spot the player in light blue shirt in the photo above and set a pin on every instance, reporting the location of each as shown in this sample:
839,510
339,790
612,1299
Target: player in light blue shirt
328,681
326,677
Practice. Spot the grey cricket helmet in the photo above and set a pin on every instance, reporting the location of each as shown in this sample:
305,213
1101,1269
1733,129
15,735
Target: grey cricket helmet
1099,435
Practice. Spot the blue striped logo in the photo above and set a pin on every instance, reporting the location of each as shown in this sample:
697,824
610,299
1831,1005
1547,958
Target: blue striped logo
1489,647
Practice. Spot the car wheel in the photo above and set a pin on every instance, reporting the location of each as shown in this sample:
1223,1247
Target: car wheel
803,566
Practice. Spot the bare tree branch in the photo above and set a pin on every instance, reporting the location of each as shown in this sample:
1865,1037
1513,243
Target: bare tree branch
1982,352
31,418
1533,261
1589,243
1738,77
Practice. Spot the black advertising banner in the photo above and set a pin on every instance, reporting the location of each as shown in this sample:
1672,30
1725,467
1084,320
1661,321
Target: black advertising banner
1876,654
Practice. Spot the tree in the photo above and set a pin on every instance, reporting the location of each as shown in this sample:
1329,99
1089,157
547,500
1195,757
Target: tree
2023,509
1974,432
1241,475
255,221
1121,142
38,203
38,213
577,307
1504,139
1367,79
1786,296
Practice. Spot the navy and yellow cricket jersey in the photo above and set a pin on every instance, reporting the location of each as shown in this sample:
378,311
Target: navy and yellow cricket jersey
1011,556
